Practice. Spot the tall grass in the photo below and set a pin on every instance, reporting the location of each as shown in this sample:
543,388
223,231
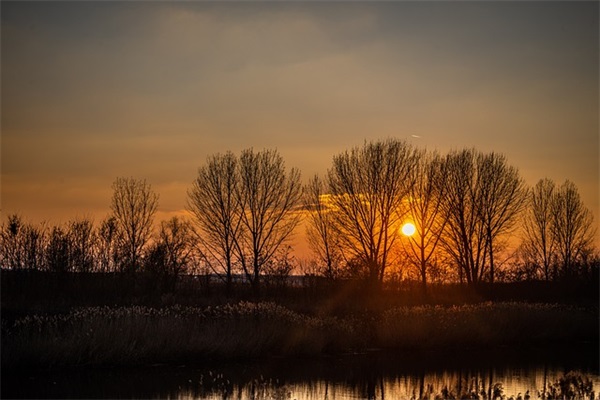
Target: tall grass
139,335
485,324
134,335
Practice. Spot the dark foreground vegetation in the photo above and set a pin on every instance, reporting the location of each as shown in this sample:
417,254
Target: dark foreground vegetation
141,335
95,319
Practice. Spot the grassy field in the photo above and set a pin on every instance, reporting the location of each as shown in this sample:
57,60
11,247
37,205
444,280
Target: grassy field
139,335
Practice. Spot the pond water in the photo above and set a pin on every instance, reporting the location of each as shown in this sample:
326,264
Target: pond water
371,375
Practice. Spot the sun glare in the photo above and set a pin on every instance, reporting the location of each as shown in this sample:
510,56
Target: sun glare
408,229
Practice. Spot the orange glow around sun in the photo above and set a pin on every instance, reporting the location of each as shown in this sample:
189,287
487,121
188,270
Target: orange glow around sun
408,229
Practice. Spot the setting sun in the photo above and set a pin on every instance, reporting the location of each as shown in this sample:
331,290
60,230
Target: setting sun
408,229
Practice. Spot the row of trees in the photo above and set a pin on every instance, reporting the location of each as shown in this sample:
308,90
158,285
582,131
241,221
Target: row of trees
244,211
123,242
460,204
471,210
557,238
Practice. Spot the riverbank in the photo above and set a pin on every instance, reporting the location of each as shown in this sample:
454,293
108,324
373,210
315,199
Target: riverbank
135,335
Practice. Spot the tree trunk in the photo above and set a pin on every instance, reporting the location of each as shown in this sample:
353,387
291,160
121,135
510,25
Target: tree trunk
423,279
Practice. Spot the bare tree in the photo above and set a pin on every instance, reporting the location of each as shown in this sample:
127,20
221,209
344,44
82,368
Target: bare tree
176,237
216,207
483,199
107,245
268,196
133,205
34,242
572,227
424,201
320,232
170,254
503,193
82,244
538,245
464,236
11,243
558,230
22,245
58,251
368,185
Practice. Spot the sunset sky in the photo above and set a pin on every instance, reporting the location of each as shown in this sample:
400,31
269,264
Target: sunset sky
96,90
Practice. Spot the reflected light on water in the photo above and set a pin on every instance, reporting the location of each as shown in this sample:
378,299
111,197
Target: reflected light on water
368,376
482,385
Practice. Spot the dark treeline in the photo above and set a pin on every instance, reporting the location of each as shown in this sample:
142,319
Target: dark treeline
477,223
41,291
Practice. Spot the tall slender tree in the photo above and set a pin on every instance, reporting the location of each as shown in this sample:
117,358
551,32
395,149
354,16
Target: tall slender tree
572,227
82,242
213,201
538,244
133,205
503,194
463,237
424,204
107,246
34,242
320,232
57,251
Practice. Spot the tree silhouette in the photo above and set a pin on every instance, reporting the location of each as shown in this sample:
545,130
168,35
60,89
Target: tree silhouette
268,196
483,198
571,227
107,245
33,246
538,245
215,204
58,251
424,204
170,255
558,229
22,245
11,245
321,234
175,237
503,195
368,185
82,243
133,205
245,209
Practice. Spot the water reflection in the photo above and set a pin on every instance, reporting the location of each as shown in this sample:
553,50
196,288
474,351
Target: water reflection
492,375
508,384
